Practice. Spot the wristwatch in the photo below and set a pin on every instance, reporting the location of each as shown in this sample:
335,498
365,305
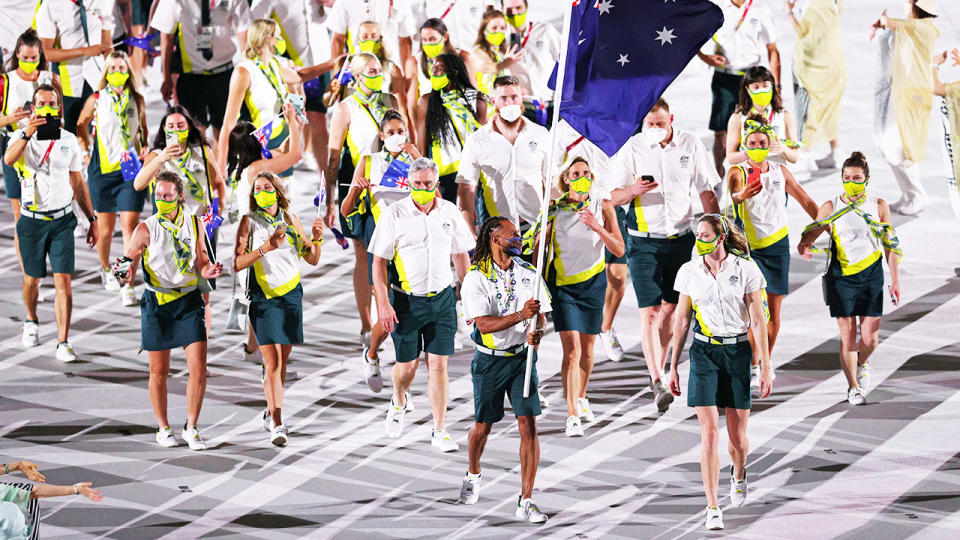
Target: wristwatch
24,136
92,219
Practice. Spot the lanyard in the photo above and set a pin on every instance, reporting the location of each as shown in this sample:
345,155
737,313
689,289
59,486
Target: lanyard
196,190
743,17
363,103
46,154
528,32
447,11
272,78
120,108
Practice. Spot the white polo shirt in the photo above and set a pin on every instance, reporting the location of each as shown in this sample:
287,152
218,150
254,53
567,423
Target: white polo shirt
493,292
462,18
421,245
608,172
719,302
46,181
61,18
541,49
394,16
682,169
744,44
510,176
15,16
226,19
294,18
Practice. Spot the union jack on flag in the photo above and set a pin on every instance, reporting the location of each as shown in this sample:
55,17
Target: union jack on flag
130,165
212,219
262,136
396,176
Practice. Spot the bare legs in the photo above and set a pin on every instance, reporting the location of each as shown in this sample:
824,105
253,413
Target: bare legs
529,451
616,287
438,384
656,331
62,307
196,384
275,359
362,291
738,447
853,351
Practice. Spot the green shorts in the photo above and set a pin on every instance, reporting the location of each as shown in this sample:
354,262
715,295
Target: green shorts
610,258
654,264
427,323
39,238
494,376
719,375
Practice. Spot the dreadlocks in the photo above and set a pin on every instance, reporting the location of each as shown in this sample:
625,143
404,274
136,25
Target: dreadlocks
483,254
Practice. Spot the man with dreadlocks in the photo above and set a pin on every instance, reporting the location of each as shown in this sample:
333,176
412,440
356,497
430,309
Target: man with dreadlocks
498,295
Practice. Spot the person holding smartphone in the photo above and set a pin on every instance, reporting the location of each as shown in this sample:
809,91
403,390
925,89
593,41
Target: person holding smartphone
659,226
538,47
176,267
49,163
860,236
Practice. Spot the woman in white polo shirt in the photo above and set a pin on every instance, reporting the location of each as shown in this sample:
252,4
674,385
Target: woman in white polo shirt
724,290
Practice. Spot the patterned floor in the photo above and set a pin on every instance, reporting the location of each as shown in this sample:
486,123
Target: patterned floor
818,467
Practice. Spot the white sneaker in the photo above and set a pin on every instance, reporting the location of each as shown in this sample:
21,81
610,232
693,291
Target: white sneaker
612,345
662,397
165,437
755,381
470,488
442,441
109,282
714,518
583,410
371,371
395,414
267,421
128,296
31,334
544,402
574,428
65,352
863,375
278,435
738,489
528,511
292,375
855,396
192,437
253,356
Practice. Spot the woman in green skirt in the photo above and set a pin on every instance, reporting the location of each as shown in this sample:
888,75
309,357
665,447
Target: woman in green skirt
271,239
578,229
724,290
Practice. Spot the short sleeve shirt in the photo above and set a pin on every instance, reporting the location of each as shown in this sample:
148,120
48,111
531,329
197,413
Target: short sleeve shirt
421,245
227,17
295,18
494,292
541,49
743,43
61,19
395,18
718,302
48,172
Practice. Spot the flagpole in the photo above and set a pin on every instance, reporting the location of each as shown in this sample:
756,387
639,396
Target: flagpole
548,181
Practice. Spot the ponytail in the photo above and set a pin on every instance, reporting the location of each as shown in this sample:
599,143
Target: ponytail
735,241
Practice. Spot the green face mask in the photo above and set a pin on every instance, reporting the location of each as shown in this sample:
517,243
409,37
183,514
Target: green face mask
495,38
581,185
423,197
181,135
762,98
117,79
373,83
854,189
706,248
265,199
28,67
280,47
166,208
370,46
517,20
47,110
758,155
439,83
433,50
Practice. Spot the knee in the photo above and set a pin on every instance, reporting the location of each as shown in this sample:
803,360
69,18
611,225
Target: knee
61,283
481,430
160,372
31,282
870,339
528,428
616,282
709,437
738,442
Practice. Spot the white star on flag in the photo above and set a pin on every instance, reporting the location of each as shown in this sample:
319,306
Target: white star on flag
623,60
605,6
665,36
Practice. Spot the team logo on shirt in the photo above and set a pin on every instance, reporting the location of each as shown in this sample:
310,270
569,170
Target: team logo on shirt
684,162
533,146
446,226
734,280
539,43
525,281
776,183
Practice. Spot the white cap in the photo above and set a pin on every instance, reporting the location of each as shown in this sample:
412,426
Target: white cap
930,6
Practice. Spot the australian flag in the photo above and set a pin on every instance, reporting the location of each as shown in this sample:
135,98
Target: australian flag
345,75
396,176
130,165
212,219
622,55
262,135
143,41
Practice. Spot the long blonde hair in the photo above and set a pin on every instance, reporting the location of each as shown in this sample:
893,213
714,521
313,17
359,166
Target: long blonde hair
131,84
260,30
360,61
735,241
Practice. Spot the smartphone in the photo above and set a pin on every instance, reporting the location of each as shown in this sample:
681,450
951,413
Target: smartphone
514,40
172,140
27,105
647,178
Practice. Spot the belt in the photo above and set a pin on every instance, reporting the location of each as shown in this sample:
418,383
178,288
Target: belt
656,236
720,340
516,350
729,71
173,290
222,68
418,295
47,216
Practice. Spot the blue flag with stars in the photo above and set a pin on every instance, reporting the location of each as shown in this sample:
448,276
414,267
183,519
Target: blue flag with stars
622,55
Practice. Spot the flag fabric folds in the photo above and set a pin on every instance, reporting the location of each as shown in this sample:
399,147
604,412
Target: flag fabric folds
622,55
395,176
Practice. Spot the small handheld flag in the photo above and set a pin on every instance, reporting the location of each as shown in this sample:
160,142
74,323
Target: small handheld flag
262,136
345,74
130,165
395,176
341,239
540,109
212,219
142,41
322,195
